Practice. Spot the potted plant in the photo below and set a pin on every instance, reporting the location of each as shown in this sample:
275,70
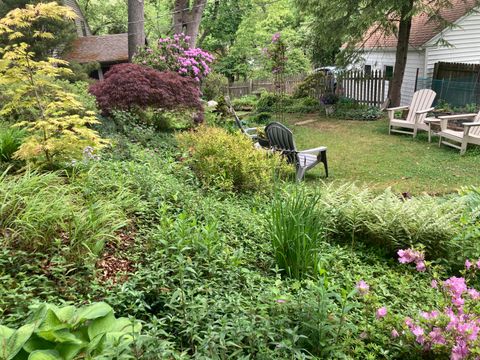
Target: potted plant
329,100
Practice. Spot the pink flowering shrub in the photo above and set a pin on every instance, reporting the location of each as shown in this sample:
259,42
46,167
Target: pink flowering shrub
174,54
454,329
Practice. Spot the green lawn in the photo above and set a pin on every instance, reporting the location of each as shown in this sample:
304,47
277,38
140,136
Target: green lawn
364,152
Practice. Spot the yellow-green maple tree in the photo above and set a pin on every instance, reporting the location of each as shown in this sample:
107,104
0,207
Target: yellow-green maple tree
56,120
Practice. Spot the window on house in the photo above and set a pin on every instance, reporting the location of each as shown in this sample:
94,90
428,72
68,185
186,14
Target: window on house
367,69
84,28
388,72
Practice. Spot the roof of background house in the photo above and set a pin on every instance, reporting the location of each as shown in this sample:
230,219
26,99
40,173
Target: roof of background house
422,30
103,49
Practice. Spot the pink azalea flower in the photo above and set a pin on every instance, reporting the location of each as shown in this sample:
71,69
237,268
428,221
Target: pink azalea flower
434,284
382,312
395,333
468,264
362,287
421,266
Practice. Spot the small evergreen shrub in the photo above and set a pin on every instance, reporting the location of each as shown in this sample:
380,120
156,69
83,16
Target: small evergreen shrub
229,161
132,87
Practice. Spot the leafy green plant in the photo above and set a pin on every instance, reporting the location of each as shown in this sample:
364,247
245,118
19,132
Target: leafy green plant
391,222
296,233
38,212
229,161
10,141
54,333
245,103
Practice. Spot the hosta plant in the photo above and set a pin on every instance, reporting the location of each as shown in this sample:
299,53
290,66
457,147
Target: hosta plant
63,333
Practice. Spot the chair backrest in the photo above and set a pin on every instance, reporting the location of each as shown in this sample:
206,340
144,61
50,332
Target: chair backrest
475,130
281,139
422,100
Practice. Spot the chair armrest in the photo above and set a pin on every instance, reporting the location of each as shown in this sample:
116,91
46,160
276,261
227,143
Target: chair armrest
314,151
248,130
459,116
420,112
398,108
471,124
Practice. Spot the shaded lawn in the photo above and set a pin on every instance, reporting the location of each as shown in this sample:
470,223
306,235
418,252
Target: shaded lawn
365,153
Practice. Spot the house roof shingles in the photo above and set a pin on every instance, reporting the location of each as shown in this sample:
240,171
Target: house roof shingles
103,49
423,29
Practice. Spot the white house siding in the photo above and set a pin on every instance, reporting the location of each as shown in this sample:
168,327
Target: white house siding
465,41
379,58
80,18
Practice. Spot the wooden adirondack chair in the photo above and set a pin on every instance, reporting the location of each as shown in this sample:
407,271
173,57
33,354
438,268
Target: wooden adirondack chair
252,133
417,112
281,139
469,135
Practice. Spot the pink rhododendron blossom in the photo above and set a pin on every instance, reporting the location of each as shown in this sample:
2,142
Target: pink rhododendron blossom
434,284
382,312
468,264
395,333
174,54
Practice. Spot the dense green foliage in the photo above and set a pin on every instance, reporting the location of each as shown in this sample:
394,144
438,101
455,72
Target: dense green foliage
200,265
229,161
69,333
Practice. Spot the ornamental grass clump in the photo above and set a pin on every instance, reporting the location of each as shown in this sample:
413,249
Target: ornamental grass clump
296,232
229,162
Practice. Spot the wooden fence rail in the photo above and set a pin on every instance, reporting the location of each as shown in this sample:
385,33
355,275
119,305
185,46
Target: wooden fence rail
367,88
239,89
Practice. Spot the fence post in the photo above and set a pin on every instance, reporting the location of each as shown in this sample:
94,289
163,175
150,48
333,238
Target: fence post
250,86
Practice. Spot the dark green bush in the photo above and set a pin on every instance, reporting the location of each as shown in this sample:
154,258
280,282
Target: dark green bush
313,85
213,86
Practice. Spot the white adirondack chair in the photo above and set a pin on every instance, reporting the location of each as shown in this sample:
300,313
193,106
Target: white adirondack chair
469,135
417,112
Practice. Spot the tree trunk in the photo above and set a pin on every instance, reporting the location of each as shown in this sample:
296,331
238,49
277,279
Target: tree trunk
187,19
395,92
136,26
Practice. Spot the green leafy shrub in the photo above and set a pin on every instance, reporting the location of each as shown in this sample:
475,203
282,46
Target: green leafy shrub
213,86
270,102
313,85
245,103
296,233
365,113
69,333
229,161
303,105
10,141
